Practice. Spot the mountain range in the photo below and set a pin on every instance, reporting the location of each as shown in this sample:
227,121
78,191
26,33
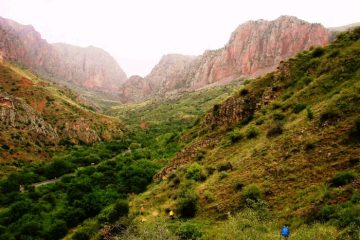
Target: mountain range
254,48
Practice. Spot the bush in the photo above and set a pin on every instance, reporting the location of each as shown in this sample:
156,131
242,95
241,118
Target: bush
81,235
252,133
309,113
57,230
278,116
244,92
223,175
342,178
195,172
274,131
252,192
187,204
298,107
317,52
224,166
113,213
188,231
236,136
309,146
238,185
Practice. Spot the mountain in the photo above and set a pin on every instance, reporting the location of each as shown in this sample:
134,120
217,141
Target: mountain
254,48
284,148
89,68
38,116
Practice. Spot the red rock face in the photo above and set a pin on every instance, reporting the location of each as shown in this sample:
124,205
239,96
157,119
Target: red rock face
257,47
90,67
254,48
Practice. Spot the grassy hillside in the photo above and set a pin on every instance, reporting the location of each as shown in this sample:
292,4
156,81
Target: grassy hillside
38,117
285,148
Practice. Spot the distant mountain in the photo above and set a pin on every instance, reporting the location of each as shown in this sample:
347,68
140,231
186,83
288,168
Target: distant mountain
254,48
89,68
38,116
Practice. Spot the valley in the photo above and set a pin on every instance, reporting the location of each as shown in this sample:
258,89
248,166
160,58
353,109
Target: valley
236,143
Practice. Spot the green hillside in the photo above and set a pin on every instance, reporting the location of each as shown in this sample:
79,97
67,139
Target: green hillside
39,117
285,148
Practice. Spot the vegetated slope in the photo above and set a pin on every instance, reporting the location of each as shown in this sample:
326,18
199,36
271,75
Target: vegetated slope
160,121
38,116
89,68
288,141
254,48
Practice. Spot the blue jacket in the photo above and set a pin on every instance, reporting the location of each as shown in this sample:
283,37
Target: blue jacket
285,231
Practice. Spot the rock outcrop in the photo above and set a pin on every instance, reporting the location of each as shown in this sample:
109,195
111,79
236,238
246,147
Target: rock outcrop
90,68
254,48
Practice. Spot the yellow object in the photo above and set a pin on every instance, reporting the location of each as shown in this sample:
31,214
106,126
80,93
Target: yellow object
171,213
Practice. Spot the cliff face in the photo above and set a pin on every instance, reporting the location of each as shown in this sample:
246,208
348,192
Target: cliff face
89,68
254,48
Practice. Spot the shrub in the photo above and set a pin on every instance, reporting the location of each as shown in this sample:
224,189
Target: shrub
274,131
187,204
188,231
252,133
317,52
298,107
304,81
252,192
244,92
113,213
276,105
278,116
309,146
223,175
246,120
81,235
224,166
238,185
259,121
342,178
195,172
57,230
236,136
309,113
200,154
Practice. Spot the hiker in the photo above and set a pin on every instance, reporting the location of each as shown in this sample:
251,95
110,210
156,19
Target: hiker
171,214
142,209
285,232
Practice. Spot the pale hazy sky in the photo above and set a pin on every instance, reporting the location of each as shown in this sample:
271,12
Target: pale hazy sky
138,32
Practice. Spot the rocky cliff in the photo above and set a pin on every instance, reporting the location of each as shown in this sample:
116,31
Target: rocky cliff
254,48
89,68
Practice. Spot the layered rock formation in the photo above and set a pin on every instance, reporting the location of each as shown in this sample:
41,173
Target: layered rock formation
254,48
89,68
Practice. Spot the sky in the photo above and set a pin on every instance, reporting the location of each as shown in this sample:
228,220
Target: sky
137,33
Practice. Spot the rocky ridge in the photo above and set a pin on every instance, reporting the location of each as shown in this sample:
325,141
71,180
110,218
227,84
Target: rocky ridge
254,48
90,68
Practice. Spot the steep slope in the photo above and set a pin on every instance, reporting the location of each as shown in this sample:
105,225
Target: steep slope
254,48
90,68
38,117
287,142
